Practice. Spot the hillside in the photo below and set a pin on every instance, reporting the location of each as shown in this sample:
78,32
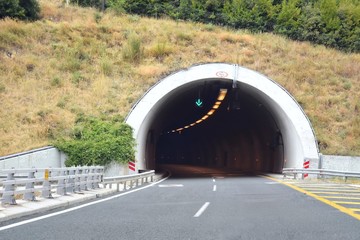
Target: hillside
77,60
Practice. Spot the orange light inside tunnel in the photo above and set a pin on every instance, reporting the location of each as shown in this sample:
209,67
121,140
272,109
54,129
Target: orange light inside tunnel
221,96
216,105
211,112
204,117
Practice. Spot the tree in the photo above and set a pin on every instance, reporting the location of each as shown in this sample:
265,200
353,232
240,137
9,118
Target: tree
20,9
287,21
251,14
11,8
31,9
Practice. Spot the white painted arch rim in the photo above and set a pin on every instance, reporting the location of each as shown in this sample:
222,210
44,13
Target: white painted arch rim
296,129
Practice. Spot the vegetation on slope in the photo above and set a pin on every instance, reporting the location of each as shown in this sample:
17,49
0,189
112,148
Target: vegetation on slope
334,23
97,141
77,61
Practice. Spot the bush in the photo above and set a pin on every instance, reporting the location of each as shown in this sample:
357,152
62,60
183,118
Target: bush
20,9
287,20
97,141
133,50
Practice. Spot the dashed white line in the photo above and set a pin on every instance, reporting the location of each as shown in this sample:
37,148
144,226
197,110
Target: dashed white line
202,209
214,180
214,188
170,185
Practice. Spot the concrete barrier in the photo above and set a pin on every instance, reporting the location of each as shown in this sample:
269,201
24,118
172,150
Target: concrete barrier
50,157
38,158
340,163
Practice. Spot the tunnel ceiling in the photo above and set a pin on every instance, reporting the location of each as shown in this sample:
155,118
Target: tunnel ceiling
256,127
238,110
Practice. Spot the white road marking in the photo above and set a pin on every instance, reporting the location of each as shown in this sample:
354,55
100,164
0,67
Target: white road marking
171,185
214,188
202,209
214,180
77,207
272,183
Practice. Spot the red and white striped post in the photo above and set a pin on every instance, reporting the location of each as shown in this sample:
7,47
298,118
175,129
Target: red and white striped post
132,166
306,166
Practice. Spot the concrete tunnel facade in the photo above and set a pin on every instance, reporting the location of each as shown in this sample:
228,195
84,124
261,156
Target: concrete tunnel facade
258,126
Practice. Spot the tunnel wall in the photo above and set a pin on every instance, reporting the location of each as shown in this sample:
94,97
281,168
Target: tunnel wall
298,135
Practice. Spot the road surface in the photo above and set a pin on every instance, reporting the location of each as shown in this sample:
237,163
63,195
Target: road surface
197,203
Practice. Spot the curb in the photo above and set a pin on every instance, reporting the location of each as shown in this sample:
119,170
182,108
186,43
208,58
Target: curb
26,208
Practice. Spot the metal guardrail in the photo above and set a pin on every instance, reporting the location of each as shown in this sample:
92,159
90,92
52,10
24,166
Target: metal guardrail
133,180
28,183
64,180
319,172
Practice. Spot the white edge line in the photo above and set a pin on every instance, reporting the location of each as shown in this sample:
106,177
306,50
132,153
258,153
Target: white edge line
77,207
202,209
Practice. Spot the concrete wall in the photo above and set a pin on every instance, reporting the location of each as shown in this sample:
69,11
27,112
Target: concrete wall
39,158
50,157
340,163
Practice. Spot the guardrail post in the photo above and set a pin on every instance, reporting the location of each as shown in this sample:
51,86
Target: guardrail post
77,179
125,185
31,185
83,179
70,181
93,178
97,177
9,198
61,189
46,191
88,178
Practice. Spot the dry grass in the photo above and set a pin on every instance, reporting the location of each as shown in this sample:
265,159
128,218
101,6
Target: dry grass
77,60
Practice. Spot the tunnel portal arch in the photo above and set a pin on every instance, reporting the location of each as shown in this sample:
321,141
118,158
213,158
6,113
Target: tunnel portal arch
297,136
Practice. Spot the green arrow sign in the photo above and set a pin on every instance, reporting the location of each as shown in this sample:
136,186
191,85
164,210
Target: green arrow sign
198,102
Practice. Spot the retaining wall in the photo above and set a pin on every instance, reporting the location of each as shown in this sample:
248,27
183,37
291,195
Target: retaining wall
50,157
39,158
340,163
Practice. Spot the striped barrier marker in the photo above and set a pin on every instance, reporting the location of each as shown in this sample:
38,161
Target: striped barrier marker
132,166
306,166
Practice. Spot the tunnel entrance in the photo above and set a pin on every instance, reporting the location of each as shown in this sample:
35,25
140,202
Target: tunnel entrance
221,115
241,134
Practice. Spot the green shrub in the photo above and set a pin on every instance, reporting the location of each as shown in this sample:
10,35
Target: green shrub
97,141
133,50
21,9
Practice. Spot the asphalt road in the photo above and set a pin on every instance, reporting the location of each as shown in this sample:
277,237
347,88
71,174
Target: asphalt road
203,204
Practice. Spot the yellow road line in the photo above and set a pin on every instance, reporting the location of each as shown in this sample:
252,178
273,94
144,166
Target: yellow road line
321,199
352,203
355,209
341,197
326,187
338,190
350,194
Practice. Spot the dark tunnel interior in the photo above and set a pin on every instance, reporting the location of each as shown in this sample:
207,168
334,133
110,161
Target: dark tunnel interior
241,134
